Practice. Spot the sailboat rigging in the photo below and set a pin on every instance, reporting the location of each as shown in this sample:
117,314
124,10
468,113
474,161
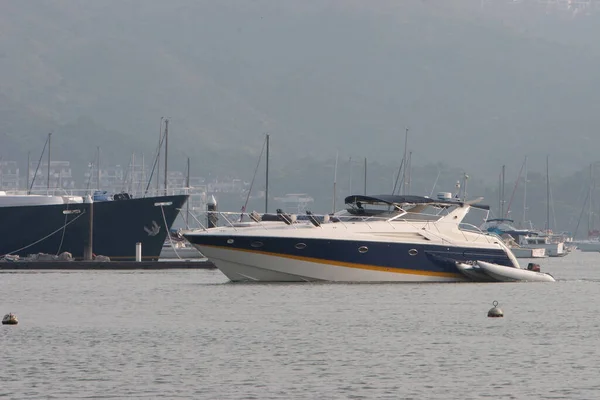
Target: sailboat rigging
265,145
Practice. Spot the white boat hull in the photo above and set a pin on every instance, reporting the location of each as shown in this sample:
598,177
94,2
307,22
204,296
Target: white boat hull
551,249
589,246
242,266
510,274
521,252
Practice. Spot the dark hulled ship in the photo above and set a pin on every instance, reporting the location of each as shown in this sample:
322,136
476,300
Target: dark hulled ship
55,224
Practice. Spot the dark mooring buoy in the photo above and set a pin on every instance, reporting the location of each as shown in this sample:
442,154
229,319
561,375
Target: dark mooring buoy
10,319
495,312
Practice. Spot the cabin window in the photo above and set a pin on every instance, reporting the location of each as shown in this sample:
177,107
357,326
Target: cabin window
256,244
363,249
300,246
230,241
413,252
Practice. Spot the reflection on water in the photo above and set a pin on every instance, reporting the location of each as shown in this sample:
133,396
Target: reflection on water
189,334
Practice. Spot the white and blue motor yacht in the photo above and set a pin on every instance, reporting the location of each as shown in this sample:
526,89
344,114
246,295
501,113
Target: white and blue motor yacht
383,238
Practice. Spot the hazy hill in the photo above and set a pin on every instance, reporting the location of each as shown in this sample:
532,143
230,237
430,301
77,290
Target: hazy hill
478,87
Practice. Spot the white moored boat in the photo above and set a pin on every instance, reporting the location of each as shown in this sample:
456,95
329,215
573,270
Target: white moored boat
522,252
588,245
382,238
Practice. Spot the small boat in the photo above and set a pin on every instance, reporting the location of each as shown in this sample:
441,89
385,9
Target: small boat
474,272
10,319
512,274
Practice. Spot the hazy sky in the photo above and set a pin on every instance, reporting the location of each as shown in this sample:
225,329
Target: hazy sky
478,86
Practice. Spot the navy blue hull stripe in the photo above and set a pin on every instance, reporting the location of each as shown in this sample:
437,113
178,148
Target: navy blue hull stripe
417,257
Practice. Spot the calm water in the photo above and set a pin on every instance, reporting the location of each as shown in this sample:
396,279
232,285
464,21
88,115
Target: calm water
189,334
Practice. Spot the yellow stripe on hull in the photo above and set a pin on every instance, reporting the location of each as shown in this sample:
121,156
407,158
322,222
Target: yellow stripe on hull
343,264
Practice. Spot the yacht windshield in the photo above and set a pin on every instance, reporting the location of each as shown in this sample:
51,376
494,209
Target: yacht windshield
399,212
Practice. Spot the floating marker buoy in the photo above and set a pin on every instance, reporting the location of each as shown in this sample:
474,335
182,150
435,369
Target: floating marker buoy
10,319
495,312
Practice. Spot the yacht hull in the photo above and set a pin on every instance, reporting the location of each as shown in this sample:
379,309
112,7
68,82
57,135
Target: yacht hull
241,266
279,260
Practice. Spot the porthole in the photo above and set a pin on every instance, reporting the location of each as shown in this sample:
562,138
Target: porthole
256,244
363,249
413,252
230,241
300,246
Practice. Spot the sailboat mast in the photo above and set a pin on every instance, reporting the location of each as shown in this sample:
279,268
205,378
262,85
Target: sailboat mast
133,172
27,178
187,190
350,179
409,172
98,167
404,174
365,176
524,196
335,179
547,195
158,156
502,192
590,207
48,176
267,178
143,177
500,195
166,151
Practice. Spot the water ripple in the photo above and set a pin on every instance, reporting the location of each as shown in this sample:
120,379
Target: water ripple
189,334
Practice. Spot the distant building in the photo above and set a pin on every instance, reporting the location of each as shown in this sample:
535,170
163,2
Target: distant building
295,203
61,176
9,176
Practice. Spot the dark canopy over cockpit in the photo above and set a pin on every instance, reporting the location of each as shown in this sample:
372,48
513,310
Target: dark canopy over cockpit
405,199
